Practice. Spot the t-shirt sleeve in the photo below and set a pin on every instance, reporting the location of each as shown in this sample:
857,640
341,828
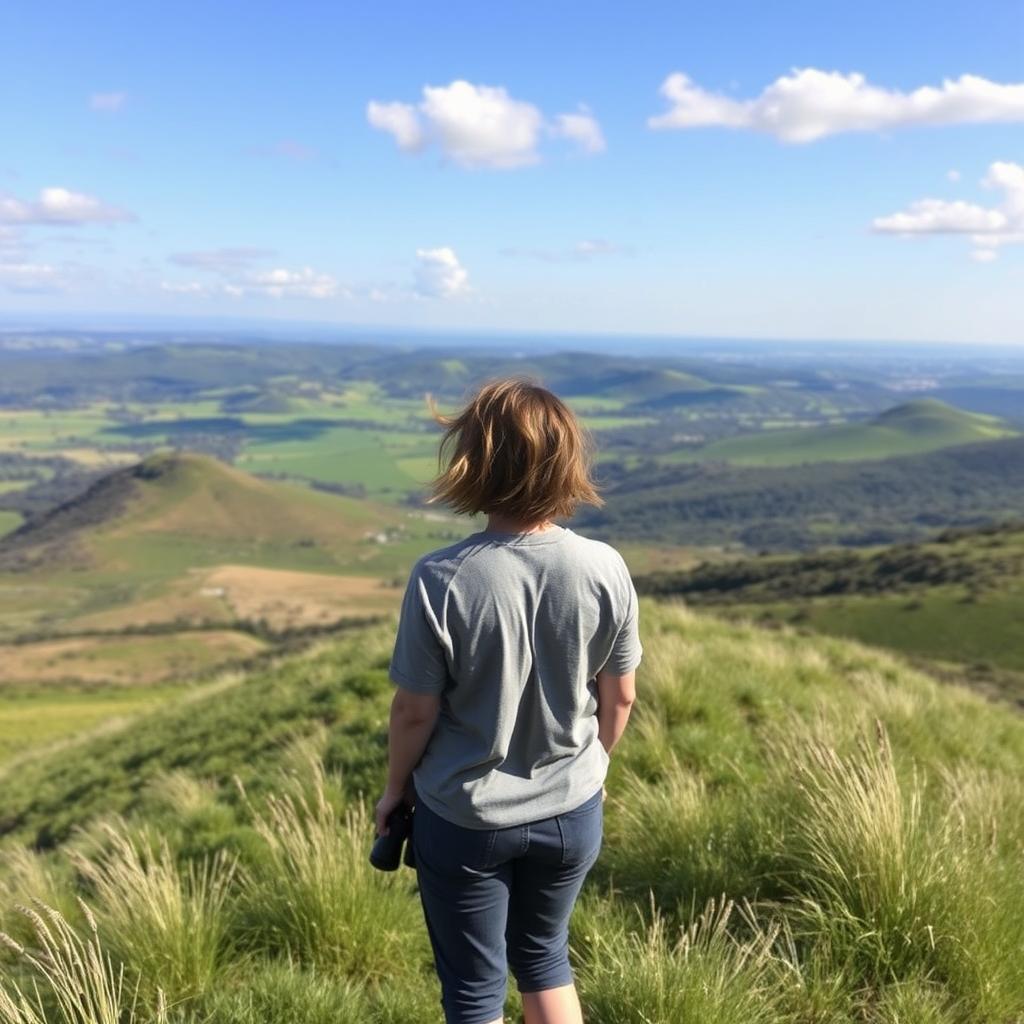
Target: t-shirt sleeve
418,662
626,650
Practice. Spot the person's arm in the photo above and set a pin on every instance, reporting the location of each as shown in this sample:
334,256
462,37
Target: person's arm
412,720
413,717
615,697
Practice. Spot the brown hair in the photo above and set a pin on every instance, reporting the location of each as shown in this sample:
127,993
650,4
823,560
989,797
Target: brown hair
517,450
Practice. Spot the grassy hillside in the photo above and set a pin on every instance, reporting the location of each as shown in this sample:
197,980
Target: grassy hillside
959,598
798,830
909,429
184,539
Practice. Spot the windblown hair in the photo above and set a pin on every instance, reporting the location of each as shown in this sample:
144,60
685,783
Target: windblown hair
515,450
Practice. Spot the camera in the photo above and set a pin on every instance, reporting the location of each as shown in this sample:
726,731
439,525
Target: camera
386,854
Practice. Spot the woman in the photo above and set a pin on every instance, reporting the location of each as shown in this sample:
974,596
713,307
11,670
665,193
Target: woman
514,664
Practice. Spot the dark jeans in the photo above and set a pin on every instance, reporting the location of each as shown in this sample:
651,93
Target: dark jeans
501,898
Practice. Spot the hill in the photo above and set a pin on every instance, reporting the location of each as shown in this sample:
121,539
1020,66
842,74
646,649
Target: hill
797,829
920,426
180,542
185,495
958,598
801,507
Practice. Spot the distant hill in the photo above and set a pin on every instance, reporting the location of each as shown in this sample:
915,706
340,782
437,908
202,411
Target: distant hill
920,426
180,542
804,507
132,513
957,598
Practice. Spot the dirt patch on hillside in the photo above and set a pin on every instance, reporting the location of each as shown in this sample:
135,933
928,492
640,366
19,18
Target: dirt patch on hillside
287,599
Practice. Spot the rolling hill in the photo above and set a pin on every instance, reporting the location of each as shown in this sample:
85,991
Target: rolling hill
923,425
797,508
182,542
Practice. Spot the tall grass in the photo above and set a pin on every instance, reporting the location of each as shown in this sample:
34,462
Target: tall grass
702,975
80,984
167,923
316,898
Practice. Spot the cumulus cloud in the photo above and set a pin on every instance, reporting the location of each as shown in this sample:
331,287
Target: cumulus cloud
440,275
236,272
953,174
278,283
989,227
480,126
59,206
281,282
399,120
107,102
583,129
810,104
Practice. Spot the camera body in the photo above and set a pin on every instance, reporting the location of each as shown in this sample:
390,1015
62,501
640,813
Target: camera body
386,854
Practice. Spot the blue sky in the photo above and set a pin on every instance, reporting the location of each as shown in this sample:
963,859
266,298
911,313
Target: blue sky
322,161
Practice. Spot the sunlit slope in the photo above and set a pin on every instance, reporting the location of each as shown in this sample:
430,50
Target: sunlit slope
959,598
132,512
726,683
184,537
909,429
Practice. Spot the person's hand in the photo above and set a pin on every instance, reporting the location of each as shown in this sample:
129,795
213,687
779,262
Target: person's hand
388,802
604,793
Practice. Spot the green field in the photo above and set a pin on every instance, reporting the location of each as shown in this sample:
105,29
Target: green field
911,429
8,521
32,720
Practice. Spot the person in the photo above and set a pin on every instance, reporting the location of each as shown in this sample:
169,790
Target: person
514,664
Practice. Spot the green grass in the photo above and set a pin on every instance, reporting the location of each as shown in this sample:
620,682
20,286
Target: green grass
959,598
31,719
910,429
798,830
8,521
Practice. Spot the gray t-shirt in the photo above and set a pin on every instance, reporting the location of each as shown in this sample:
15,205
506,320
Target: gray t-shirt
511,630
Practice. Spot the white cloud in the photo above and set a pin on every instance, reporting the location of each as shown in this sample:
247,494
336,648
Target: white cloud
989,227
440,275
953,174
59,206
280,283
401,120
480,126
184,287
940,216
30,277
583,129
107,102
809,104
